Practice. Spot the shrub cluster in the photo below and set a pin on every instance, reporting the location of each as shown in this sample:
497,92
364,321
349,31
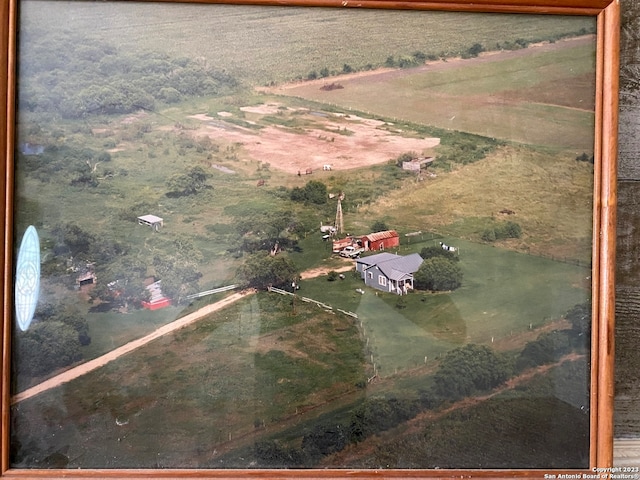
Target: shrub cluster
470,369
79,164
373,416
53,340
438,274
313,192
464,148
435,251
502,232
549,347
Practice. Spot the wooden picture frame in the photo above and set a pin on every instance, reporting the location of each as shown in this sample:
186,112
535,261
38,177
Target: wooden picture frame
606,13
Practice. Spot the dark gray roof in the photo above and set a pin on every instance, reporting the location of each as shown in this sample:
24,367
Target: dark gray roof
393,266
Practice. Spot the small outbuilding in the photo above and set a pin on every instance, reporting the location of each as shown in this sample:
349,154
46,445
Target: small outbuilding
381,240
151,221
157,299
416,164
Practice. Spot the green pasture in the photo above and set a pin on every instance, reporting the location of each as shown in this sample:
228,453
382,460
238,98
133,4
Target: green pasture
550,193
504,293
274,44
541,98
232,375
566,61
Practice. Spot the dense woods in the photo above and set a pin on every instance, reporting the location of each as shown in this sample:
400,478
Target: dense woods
76,77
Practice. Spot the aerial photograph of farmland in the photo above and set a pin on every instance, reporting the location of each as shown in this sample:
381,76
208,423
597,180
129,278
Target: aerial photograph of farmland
252,237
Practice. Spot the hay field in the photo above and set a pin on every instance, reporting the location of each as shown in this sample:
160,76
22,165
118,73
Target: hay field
264,45
551,196
542,95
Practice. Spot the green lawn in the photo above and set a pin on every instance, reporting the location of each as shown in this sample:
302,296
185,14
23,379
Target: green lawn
503,293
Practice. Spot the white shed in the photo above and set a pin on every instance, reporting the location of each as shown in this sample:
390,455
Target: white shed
151,221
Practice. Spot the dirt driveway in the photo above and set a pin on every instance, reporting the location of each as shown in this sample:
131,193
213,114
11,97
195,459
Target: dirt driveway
96,363
324,270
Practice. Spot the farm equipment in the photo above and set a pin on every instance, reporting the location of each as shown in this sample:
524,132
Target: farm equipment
340,244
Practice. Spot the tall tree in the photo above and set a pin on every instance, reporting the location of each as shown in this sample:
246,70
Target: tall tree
189,183
469,369
262,271
438,274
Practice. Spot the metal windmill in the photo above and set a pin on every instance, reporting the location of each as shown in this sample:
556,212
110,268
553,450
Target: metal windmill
339,220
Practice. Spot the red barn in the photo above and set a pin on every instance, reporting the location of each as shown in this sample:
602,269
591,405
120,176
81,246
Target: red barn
381,240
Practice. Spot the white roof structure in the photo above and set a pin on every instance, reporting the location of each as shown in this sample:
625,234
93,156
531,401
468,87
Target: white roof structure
150,220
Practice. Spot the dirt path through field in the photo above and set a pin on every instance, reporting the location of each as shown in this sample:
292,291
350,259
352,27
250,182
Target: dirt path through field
91,365
355,452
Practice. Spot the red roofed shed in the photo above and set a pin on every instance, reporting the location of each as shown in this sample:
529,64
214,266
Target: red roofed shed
157,300
381,240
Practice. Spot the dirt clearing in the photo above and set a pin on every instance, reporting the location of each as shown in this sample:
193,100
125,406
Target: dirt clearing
327,141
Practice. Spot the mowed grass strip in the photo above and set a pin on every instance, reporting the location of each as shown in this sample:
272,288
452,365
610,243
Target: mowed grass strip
504,95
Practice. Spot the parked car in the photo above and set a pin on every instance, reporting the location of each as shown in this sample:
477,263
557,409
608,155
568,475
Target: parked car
351,251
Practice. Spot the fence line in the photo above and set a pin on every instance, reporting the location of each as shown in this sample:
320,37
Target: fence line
211,292
560,259
280,291
311,300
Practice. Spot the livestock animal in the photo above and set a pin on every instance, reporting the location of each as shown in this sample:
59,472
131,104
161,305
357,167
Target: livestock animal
448,248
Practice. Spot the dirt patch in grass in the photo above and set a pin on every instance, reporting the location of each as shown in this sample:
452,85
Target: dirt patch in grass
337,141
324,270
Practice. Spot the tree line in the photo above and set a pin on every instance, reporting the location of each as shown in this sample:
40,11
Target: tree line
419,57
76,77
463,372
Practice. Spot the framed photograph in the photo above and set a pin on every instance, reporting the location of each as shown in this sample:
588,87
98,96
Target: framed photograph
300,239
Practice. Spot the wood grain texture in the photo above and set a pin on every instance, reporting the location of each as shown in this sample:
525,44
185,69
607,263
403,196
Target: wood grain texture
7,104
605,211
627,403
627,367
